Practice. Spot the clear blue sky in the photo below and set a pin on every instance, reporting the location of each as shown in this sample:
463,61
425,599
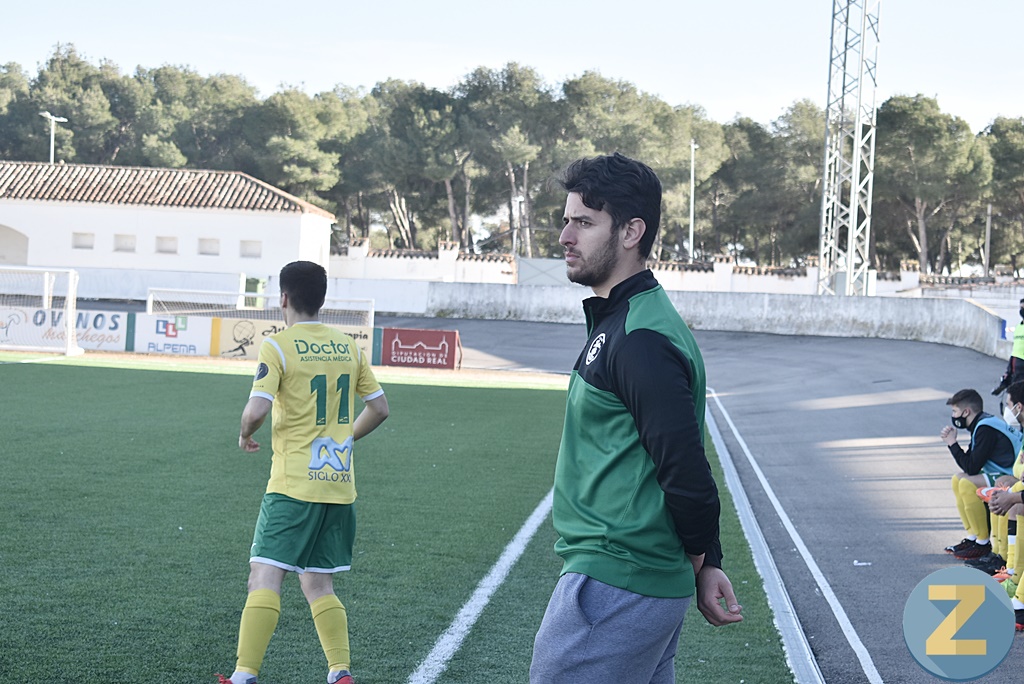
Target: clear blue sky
731,57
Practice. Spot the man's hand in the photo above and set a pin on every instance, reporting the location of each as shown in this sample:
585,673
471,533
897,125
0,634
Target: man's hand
1002,501
948,435
712,586
255,412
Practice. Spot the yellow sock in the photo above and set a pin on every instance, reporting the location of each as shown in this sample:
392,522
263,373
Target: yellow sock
974,508
332,627
259,619
960,504
996,524
1016,560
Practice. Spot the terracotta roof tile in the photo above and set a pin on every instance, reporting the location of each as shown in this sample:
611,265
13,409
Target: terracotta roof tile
187,188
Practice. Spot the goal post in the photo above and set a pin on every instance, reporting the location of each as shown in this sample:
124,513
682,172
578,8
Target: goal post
356,313
38,309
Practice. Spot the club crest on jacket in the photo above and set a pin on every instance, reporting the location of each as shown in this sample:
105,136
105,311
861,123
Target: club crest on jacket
595,348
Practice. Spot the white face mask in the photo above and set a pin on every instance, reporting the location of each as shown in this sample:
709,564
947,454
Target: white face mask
1009,415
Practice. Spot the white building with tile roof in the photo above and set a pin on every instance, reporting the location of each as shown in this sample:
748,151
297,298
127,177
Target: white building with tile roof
187,221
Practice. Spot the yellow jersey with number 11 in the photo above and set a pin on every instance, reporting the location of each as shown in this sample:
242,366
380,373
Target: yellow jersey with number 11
313,373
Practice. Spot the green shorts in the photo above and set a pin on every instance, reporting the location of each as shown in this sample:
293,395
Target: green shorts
300,536
993,473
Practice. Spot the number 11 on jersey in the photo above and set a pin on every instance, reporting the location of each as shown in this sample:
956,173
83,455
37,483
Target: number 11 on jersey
318,386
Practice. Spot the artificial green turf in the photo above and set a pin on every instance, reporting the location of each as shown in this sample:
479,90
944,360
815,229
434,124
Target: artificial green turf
500,646
127,511
749,651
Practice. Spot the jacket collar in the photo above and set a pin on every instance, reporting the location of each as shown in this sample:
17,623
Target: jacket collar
597,308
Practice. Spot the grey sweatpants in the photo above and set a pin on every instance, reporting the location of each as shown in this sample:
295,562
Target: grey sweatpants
593,632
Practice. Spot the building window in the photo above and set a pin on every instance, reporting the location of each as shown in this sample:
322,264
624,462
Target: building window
167,245
124,243
209,246
83,240
251,249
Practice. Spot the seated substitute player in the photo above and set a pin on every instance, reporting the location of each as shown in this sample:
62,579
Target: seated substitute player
1002,560
994,446
309,373
1011,504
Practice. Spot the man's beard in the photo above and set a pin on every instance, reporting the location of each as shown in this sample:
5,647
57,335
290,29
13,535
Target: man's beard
597,268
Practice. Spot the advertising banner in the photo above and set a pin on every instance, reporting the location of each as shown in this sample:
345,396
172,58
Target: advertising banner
421,348
12,322
177,335
241,337
363,337
94,330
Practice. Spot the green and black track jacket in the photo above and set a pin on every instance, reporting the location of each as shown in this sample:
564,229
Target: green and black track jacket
633,489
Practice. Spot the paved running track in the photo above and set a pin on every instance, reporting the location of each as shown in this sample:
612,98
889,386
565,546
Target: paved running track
846,433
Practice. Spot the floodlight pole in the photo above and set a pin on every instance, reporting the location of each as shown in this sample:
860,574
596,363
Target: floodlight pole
988,241
53,126
693,157
844,267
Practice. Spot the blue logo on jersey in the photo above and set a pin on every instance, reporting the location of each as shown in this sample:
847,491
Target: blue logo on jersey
261,372
326,452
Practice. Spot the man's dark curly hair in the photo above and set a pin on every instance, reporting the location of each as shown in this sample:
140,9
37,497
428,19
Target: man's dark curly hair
623,187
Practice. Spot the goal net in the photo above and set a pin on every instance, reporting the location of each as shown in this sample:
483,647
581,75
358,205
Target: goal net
38,309
345,313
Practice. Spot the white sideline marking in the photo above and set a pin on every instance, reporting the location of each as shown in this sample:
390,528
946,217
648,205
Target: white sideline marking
451,640
833,601
794,642
39,360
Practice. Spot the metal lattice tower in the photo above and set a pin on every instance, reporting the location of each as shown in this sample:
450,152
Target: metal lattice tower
849,149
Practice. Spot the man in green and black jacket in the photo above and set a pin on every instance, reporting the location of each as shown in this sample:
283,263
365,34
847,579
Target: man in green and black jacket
635,503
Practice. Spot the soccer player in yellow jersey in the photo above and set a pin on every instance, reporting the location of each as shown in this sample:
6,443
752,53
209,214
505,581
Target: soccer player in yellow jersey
310,374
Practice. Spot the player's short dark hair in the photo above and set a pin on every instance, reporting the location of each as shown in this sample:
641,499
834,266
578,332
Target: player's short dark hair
305,283
967,398
625,188
1016,392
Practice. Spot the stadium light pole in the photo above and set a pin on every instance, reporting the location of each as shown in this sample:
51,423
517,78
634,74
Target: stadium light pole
53,126
693,157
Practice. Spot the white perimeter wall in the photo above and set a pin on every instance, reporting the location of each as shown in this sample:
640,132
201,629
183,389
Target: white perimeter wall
446,267
946,321
956,322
